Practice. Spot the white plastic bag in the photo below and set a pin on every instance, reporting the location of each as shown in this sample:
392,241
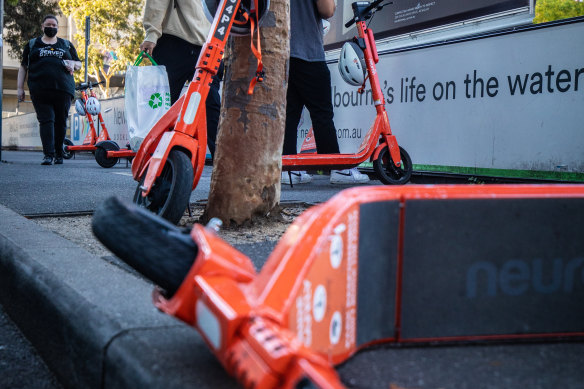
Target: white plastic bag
147,98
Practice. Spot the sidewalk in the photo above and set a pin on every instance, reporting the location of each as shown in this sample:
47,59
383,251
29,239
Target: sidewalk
95,326
92,322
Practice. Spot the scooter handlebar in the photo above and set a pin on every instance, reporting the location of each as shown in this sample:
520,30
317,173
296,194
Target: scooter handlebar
85,85
369,8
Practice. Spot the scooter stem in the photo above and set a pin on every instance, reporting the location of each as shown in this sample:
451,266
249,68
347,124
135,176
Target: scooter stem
371,58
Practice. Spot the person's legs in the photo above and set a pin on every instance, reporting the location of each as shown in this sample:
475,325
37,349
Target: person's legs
180,58
294,106
61,104
213,108
315,92
43,107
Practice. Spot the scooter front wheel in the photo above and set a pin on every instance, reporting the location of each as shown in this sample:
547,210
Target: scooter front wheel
158,250
170,193
390,174
101,153
66,153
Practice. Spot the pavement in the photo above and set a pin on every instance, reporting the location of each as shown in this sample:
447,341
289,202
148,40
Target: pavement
94,325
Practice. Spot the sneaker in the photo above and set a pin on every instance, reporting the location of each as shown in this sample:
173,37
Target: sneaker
58,161
47,160
348,176
297,178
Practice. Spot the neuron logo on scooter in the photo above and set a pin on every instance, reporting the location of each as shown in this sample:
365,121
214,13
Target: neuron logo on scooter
516,277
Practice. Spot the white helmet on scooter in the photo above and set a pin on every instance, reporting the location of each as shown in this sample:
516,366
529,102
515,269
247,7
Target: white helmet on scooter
93,106
352,64
80,107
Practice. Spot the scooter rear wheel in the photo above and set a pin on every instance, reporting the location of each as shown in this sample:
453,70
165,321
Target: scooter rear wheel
158,250
67,154
170,194
390,174
101,153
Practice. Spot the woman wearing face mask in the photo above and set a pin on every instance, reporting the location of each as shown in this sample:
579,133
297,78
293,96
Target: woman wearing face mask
50,63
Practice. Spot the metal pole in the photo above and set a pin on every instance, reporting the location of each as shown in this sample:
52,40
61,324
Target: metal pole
87,28
1,69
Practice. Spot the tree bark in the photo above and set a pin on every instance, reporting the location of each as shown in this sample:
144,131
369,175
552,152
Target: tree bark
245,182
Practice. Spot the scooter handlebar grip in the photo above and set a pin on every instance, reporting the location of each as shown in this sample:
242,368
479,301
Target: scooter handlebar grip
350,23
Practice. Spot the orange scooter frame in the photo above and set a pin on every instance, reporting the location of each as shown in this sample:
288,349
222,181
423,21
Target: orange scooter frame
379,135
91,139
321,297
184,125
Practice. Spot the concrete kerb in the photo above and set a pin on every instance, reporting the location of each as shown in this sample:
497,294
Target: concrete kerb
92,322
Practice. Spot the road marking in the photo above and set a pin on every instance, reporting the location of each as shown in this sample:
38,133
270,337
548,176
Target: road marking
124,174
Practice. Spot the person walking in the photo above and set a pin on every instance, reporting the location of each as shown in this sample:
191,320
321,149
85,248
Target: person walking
176,30
309,85
50,63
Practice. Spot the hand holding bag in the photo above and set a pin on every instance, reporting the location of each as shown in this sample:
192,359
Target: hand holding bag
147,98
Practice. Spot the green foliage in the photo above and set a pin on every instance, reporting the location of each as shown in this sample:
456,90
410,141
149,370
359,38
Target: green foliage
550,10
22,22
116,27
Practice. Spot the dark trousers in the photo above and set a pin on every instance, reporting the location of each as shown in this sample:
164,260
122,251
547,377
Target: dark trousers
180,58
309,84
52,109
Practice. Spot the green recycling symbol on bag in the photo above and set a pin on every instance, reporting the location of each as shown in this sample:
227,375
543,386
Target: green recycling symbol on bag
155,101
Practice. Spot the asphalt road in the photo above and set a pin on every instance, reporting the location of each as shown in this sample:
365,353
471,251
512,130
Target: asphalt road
80,185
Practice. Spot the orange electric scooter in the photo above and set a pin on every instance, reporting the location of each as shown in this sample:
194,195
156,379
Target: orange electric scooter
370,265
171,159
106,151
391,163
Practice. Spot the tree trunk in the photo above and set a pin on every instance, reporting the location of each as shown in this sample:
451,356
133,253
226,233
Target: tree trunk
248,160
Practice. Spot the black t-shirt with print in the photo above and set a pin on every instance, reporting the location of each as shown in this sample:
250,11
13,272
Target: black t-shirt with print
46,70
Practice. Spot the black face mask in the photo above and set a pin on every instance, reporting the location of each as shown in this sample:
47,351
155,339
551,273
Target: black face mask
50,31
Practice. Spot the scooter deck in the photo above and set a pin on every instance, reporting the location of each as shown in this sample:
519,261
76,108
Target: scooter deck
82,148
413,264
430,264
121,154
322,161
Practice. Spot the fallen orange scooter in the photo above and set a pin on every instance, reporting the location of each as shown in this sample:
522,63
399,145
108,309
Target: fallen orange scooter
370,265
171,159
